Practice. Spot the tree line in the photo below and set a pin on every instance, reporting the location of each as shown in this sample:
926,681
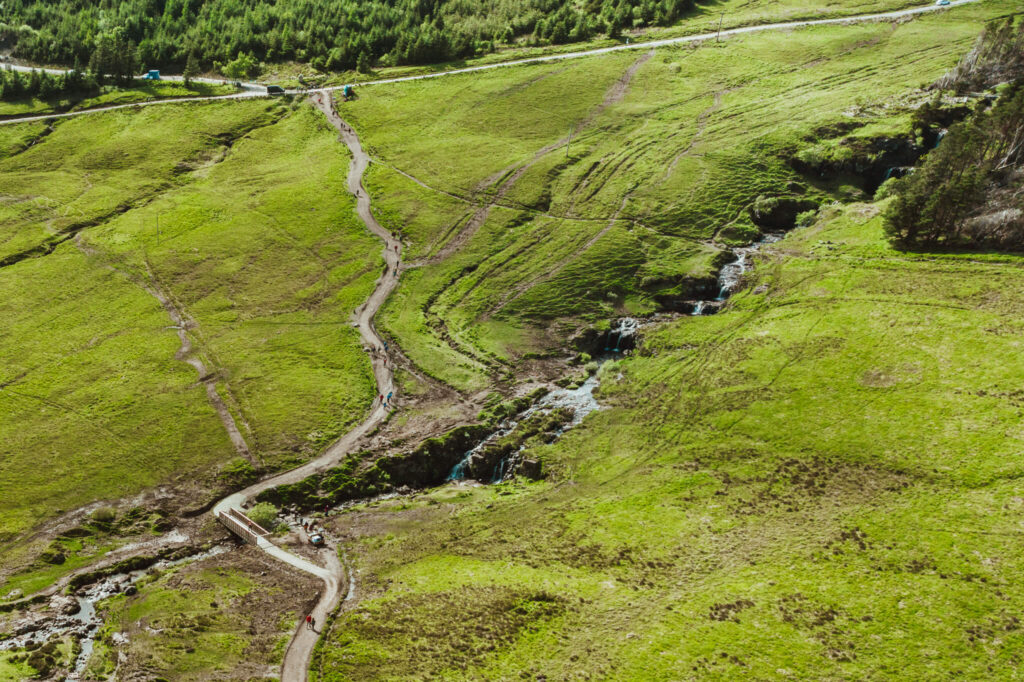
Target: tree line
16,85
969,191
327,34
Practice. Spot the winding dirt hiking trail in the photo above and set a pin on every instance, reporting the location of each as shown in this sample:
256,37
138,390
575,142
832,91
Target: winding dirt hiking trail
300,649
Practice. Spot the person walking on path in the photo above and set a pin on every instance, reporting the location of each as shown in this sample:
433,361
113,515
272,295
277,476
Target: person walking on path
312,623
309,622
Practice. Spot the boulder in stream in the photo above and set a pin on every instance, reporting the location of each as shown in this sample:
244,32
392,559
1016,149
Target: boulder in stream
64,604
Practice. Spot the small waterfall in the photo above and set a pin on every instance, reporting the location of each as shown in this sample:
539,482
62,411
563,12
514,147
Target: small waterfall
459,471
938,139
731,274
626,329
580,400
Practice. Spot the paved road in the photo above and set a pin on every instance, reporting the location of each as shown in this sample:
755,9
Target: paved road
261,92
256,87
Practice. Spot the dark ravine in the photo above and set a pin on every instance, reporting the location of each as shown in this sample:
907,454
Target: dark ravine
429,464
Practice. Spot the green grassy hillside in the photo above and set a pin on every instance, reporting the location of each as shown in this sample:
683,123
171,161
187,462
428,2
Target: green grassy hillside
257,245
667,154
819,483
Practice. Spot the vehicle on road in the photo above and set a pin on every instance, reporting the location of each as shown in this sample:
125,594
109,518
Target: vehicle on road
275,90
941,3
152,75
316,539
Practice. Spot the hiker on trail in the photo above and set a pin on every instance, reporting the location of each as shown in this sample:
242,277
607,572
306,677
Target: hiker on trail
396,248
381,396
385,345
390,393
312,623
309,622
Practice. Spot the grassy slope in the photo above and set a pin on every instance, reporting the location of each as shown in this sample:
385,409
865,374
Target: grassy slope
140,91
259,245
92,388
818,483
265,253
699,134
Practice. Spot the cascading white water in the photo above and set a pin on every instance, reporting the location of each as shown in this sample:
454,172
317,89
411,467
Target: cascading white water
731,274
580,400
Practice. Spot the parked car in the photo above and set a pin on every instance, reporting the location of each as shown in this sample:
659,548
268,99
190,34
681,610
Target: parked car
275,90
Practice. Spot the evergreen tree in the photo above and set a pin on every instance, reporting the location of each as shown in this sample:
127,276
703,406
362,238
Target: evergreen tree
363,63
191,69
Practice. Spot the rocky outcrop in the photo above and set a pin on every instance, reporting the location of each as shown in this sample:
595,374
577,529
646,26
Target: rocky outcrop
430,463
485,464
531,469
779,213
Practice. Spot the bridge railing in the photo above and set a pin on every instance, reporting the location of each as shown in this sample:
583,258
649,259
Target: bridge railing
242,526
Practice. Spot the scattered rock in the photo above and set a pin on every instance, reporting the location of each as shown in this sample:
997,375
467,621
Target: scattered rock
64,604
531,468
26,626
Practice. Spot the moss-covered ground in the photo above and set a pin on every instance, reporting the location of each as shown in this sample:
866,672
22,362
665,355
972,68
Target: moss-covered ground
818,483
215,619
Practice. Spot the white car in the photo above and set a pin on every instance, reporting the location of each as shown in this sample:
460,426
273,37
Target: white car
941,3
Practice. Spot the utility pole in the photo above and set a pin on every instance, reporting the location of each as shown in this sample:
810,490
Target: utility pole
721,18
